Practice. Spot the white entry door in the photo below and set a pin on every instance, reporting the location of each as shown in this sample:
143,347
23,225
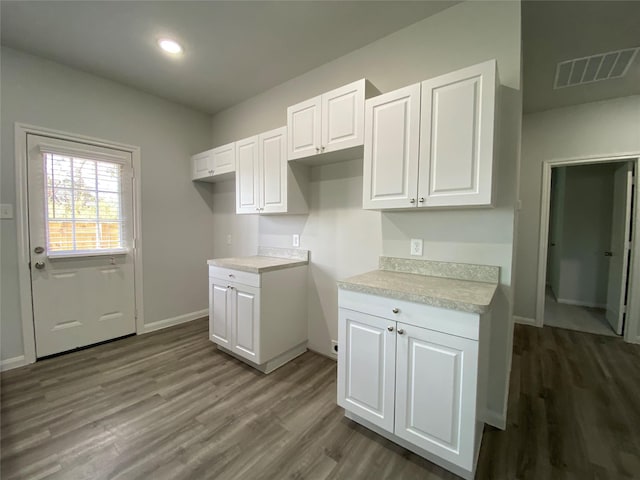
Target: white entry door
81,243
620,245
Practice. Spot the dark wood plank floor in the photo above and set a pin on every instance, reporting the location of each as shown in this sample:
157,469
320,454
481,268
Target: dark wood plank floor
169,405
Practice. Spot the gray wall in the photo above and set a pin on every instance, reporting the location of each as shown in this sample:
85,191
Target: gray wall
595,129
176,214
346,240
556,219
586,201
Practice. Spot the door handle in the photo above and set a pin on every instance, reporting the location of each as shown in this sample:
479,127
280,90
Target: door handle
608,254
38,250
39,265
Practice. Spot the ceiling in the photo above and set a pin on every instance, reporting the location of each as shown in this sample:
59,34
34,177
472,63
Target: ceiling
233,49
553,31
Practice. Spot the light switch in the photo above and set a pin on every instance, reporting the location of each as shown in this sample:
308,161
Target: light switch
6,210
296,240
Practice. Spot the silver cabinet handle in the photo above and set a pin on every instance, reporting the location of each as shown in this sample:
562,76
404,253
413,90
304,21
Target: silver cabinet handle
421,200
322,149
231,275
317,149
39,265
412,200
390,328
395,310
400,331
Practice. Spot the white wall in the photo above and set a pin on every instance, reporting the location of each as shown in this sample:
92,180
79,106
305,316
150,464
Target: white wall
346,240
176,213
591,129
587,204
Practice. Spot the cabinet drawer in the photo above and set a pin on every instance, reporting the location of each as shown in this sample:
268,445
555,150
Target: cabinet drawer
235,276
453,322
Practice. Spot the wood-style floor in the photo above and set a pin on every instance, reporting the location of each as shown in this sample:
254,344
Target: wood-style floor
168,405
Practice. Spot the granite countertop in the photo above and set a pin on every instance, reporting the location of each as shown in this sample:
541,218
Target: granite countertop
435,289
268,259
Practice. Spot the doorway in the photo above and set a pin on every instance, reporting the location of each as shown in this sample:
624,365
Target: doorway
78,218
586,250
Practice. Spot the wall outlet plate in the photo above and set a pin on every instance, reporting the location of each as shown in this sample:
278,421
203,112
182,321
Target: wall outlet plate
296,240
416,247
6,210
334,348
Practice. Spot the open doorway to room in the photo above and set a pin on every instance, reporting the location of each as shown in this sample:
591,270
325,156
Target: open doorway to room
589,207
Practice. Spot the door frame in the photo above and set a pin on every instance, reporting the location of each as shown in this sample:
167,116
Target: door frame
632,321
22,225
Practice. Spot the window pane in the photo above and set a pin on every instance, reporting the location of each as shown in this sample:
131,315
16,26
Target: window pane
86,236
109,206
110,235
85,204
61,171
84,173
60,236
60,203
108,177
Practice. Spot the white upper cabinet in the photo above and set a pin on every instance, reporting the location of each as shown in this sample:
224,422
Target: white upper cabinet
452,120
392,140
457,137
265,181
331,122
214,165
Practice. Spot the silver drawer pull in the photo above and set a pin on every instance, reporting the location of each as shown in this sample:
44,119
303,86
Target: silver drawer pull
396,310
390,328
400,331
231,275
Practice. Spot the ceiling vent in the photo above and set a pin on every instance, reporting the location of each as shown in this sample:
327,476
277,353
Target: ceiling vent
595,68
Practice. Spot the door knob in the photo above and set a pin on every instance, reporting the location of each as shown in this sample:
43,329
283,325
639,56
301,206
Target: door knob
38,250
608,254
39,265
400,331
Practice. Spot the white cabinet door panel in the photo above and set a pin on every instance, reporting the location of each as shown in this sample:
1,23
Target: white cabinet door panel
247,175
392,136
224,159
433,409
457,135
304,125
366,367
246,320
201,165
273,171
343,117
219,324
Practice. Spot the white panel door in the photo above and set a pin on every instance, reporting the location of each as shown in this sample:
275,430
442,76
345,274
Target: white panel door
247,176
366,366
219,312
620,245
273,171
224,159
303,123
343,117
457,136
436,377
202,165
392,129
82,244
246,322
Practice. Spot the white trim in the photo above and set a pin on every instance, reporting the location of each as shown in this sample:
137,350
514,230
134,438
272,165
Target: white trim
170,322
579,303
631,332
524,320
11,363
495,419
22,224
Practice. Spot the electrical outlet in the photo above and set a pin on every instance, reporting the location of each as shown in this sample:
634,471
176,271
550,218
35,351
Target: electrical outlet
416,247
296,240
6,210
229,239
334,348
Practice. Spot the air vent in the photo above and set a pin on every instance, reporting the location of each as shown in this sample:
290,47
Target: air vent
595,68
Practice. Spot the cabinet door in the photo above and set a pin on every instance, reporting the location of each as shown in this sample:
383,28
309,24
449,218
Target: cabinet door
224,159
366,366
273,171
436,378
202,165
246,322
219,313
457,135
343,117
247,174
303,123
392,127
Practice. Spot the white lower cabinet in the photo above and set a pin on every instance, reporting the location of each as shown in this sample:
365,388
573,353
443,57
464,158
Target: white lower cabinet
413,384
259,317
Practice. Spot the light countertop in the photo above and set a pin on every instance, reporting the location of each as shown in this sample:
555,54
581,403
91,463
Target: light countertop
268,259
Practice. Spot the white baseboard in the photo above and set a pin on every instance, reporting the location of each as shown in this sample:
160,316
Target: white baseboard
170,322
524,320
495,419
11,363
578,303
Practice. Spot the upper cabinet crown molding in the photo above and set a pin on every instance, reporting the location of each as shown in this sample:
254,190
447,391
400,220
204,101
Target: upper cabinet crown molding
214,165
329,127
265,181
432,144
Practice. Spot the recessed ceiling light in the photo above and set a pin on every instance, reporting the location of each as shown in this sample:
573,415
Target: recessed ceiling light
170,46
